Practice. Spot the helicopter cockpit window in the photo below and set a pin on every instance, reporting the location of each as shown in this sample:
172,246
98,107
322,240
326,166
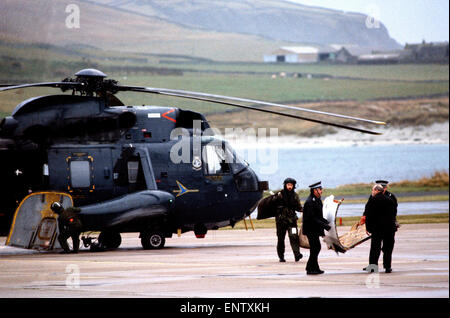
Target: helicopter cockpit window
80,175
215,160
133,169
237,163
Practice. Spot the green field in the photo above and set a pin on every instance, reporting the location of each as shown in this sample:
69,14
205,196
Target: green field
248,86
280,90
43,61
405,72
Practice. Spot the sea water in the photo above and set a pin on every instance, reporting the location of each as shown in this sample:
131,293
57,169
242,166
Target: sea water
336,166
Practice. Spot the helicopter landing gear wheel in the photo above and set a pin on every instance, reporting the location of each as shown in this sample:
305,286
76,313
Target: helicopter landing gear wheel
109,240
152,240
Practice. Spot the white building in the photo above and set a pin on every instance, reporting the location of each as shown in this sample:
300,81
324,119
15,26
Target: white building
299,54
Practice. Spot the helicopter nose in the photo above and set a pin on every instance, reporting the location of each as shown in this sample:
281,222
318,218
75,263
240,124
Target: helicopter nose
247,180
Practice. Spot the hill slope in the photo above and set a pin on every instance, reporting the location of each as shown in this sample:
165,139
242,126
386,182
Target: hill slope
235,30
111,29
271,19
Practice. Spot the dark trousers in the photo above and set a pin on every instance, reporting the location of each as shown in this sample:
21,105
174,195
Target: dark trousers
282,228
314,250
382,242
62,239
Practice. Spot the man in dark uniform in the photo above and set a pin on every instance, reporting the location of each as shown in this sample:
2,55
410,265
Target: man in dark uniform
69,226
314,225
388,194
380,217
287,202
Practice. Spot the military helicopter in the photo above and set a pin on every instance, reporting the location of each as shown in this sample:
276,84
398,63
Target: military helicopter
116,161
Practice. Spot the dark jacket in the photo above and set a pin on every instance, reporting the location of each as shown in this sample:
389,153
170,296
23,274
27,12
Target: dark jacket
68,220
392,197
287,202
380,213
313,221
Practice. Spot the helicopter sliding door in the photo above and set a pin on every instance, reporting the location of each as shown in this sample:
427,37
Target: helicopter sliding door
218,177
84,172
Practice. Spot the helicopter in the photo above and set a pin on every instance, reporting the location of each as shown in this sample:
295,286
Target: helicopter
117,161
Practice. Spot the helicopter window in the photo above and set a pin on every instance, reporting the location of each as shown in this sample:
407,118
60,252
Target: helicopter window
237,163
80,174
133,169
215,160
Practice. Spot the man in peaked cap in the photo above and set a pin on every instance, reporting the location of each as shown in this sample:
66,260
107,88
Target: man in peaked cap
388,194
314,225
380,216
288,202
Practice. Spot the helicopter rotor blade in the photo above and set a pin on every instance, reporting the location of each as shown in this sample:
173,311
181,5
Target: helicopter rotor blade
219,99
214,98
45,84
258,109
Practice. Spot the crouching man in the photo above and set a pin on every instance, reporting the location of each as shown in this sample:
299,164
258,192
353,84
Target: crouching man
69,226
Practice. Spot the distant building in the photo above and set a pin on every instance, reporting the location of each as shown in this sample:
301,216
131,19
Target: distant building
300,54
344,56
354,54
427,52
379,58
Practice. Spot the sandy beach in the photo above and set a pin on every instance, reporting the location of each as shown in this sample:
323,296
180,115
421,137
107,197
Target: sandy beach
437,133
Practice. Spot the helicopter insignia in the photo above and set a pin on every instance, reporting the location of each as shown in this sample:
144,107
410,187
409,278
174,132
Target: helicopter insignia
167,117
197,163
183,190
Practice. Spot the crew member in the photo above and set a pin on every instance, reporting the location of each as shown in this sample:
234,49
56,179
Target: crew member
314,225
287,202
69,226
380,219
388,194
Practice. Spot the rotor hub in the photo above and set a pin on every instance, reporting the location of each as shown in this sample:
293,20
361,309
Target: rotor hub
92,81
90,72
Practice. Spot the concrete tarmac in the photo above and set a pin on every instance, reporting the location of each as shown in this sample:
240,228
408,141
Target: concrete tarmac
229,264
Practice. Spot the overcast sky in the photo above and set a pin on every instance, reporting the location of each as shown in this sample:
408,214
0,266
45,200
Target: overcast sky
408,21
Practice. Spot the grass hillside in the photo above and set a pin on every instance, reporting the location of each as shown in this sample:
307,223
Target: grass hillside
44,21
269,19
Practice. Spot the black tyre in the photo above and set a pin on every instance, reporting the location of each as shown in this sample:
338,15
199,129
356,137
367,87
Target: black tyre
152,240
109,240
